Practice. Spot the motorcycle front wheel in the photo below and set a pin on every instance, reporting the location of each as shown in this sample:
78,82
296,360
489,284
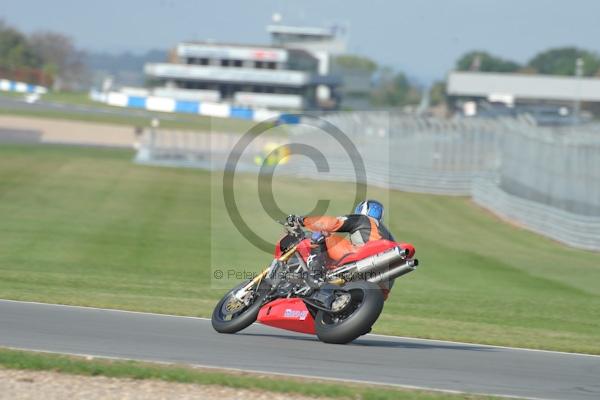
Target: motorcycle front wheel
231,316
364,306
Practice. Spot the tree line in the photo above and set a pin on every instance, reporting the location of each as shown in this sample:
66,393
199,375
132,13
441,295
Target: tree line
557,61
46,58
52,59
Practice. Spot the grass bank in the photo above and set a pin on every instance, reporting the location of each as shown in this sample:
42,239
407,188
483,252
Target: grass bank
88,227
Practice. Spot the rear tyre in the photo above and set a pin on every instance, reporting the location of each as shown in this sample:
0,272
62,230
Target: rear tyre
356,319
226,318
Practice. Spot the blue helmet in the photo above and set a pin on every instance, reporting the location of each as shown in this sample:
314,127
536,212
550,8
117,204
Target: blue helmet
372,208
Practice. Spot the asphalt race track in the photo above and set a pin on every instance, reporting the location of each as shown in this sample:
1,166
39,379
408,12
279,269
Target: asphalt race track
373,358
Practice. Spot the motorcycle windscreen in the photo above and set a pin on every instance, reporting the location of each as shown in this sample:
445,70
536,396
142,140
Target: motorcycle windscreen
289,314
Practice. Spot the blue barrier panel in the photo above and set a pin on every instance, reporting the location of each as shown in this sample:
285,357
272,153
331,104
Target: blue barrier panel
136,101
243,113
187,106
24,87
289,119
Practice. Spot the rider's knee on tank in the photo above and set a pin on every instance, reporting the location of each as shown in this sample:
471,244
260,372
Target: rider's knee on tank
338,247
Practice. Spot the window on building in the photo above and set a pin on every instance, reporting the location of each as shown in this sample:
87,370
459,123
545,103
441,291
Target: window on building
258,64
271,65
237,63
227,91
225,63
204,61
302,62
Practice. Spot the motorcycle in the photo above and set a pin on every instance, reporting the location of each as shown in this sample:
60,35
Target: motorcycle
338,305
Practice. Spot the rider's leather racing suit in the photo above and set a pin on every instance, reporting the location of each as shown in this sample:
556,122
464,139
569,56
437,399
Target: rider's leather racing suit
361,229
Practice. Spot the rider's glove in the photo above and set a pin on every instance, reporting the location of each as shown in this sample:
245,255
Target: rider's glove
317,237
293,220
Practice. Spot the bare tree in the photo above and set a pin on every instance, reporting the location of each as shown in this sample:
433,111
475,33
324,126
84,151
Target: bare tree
60,58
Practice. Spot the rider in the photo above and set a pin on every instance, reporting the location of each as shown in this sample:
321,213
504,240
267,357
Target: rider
364,225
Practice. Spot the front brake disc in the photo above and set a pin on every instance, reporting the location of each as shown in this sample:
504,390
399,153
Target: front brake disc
341,302
233,305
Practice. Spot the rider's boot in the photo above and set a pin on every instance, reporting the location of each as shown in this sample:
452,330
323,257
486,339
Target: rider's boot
318,258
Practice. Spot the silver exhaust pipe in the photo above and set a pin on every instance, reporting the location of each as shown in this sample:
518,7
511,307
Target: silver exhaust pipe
395,272
371,266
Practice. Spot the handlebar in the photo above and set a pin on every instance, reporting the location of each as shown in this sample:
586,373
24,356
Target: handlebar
295,230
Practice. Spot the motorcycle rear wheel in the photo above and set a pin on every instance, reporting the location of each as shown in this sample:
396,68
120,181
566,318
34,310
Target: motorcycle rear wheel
362,312
224,321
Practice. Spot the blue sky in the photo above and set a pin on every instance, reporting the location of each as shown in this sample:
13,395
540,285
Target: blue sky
422,37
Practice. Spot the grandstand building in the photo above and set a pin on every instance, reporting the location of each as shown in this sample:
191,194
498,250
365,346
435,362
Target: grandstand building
292,73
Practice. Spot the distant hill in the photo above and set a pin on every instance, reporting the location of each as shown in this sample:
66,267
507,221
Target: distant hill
126,68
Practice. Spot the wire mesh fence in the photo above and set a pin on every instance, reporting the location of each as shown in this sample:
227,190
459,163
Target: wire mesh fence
546,179
556,167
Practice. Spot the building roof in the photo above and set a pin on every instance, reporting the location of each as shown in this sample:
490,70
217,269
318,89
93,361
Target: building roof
218,50
257,47
301,30
521,86
213,43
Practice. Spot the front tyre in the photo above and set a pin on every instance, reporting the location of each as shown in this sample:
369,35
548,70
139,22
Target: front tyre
231,316
366,303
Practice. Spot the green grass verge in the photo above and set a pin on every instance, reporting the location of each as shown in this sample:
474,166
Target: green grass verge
88,227
78,98
15,359
182,121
